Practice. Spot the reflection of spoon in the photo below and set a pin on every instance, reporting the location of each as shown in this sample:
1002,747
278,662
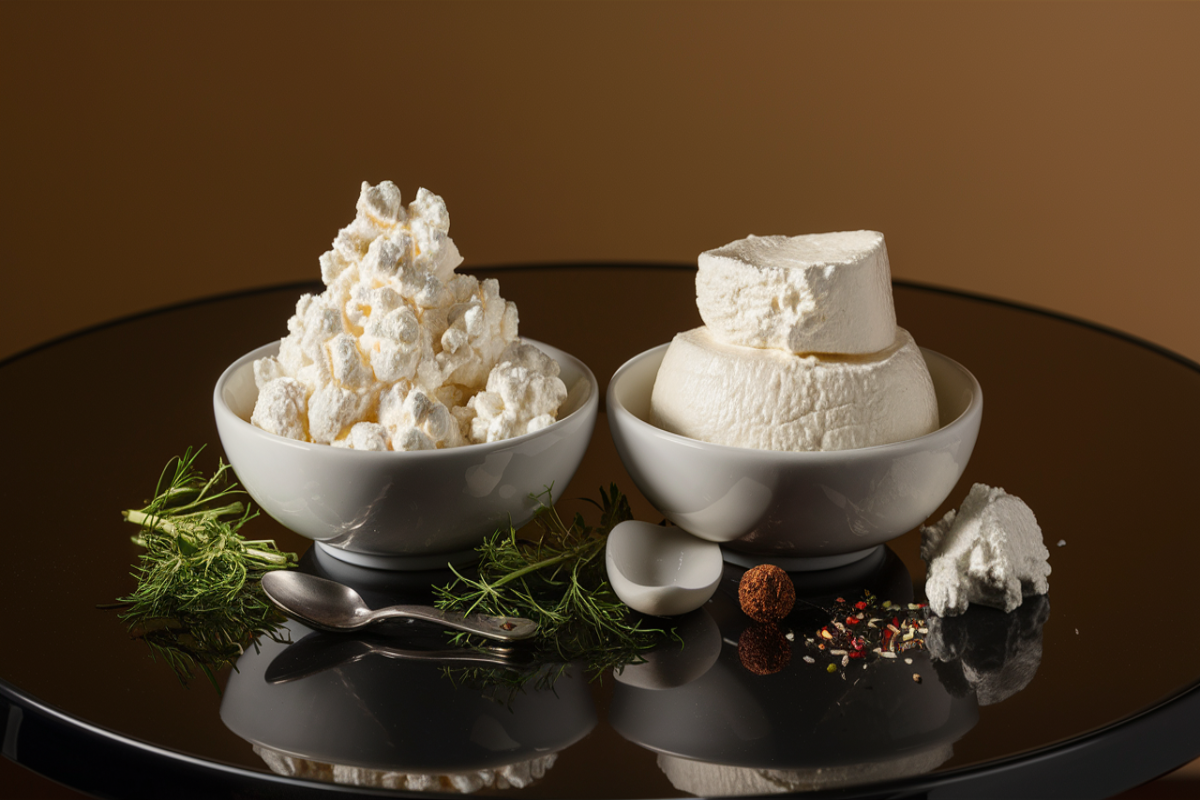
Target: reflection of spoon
330,606
318,652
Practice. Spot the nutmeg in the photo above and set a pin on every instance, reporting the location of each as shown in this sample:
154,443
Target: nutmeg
766,593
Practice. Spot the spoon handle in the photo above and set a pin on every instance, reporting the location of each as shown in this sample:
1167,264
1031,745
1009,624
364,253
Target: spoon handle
505,629
318,652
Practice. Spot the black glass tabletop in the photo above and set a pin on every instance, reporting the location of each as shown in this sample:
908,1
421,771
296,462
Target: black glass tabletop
1085,691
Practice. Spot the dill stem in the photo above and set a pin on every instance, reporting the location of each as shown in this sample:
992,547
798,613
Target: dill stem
566,555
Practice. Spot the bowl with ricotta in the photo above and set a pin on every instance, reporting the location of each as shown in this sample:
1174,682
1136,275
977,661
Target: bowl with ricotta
402,418
800,425
799,509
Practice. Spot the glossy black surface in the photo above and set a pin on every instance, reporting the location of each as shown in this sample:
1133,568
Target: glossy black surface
1096,432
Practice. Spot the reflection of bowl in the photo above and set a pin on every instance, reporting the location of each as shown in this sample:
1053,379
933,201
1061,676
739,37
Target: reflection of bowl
802,510
402,510
374,712
811,728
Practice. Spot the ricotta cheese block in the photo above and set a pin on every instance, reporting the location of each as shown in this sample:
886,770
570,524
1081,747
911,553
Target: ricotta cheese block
769,399
989,552
392,354
818,293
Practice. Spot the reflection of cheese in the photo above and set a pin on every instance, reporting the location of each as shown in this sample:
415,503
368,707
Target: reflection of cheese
819,293
989,552
773,400
705,779
517,775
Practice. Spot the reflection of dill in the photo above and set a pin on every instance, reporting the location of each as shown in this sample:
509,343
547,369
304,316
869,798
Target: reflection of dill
206,643
198,602
559,580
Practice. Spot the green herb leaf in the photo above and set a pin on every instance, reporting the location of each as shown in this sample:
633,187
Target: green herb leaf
559,580
198,602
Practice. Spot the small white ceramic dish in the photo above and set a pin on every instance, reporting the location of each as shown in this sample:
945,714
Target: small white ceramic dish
799,510
397,510
659,570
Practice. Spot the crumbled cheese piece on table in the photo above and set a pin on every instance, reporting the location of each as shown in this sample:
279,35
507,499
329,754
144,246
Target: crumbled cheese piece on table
989,552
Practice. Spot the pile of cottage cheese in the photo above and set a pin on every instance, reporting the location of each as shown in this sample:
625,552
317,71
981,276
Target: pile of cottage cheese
799,351
400,352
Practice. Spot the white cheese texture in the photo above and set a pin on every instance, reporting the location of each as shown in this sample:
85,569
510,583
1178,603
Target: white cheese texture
799,351
774,400
818,293
400,352
989,552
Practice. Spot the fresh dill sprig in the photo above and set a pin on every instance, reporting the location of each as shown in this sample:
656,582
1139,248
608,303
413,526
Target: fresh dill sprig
198,602
559,580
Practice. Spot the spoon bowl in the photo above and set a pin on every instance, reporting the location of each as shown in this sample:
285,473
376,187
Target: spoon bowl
331,606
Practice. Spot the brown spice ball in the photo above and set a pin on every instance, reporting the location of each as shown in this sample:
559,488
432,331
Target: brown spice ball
766,593
763,649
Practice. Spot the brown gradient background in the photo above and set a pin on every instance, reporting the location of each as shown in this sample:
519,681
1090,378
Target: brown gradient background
1041,152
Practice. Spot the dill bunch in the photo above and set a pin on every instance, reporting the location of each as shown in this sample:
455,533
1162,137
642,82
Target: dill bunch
558,579
198,602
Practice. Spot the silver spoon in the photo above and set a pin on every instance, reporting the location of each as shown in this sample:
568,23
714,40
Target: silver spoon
331,606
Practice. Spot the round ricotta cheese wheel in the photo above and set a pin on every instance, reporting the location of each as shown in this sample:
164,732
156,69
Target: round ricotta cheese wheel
818,293
773,400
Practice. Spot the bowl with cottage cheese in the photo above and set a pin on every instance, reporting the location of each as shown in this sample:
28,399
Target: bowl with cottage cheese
800,425
402,418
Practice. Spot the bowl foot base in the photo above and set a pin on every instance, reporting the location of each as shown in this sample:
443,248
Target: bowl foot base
401,563
814,564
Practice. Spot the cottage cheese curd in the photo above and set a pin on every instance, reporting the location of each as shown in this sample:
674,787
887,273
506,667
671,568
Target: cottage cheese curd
989,552
400,352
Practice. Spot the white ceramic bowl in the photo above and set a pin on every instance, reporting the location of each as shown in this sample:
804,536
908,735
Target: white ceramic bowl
397,510
800,510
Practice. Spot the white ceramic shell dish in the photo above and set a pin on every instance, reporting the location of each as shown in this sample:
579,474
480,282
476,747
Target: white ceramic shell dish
660,570
800,510
402,510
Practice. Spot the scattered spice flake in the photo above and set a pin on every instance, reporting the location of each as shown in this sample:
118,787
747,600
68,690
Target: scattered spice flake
860,630
916,677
